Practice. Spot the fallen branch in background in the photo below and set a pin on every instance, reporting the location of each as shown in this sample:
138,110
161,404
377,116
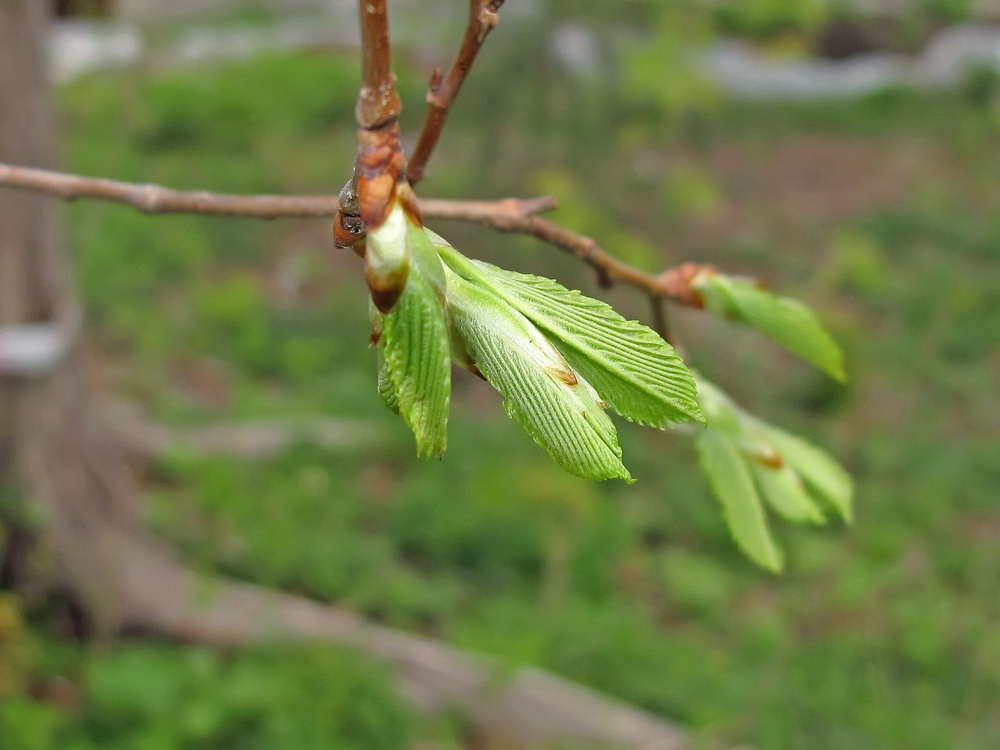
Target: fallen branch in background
525,707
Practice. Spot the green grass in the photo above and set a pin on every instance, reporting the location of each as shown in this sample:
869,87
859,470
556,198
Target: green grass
879,635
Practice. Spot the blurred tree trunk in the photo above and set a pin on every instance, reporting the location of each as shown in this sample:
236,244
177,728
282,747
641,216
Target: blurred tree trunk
49,438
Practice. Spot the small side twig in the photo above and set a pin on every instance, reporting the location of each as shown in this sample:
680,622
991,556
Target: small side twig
483,18
661,322
608,268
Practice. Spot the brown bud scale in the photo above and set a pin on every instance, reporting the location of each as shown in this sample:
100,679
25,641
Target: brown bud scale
381,166
679,283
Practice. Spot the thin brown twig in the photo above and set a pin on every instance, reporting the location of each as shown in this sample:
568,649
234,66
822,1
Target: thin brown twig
156,199
510,215
661,322
378,100
608,268
483,18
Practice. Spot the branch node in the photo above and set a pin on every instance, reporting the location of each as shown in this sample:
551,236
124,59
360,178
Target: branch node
678,283
380,169
437,78
378,101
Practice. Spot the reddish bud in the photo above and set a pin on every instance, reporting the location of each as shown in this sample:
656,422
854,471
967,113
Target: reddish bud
680,283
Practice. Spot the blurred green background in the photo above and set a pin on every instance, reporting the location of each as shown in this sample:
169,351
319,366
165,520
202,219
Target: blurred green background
878,210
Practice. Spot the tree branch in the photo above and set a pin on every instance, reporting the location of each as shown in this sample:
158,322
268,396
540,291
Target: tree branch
378,100
509,215
483,18
522,707
156,199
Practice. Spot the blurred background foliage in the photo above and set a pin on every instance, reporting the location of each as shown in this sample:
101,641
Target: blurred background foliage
880,211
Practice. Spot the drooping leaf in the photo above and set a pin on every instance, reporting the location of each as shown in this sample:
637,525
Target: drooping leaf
783,490
540,390
787,473
783,319
727,471
415,347
819,471
634,370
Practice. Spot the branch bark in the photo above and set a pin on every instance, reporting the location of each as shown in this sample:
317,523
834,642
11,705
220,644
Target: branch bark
378,101
509,215
156,199
483,18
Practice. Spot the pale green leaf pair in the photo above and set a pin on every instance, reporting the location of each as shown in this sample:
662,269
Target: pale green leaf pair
783,319
541,391
752,465
557,357
634,370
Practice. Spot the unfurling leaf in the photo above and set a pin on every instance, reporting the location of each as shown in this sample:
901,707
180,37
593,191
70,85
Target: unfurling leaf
541,391
415,378
632,368
785,492
751,463
783,319
824,476
727,471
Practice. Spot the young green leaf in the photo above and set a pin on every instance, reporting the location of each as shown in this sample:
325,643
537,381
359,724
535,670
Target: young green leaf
418,365
631,367
540,390
783,490
726,468
415,345
783,470
787,321
817,469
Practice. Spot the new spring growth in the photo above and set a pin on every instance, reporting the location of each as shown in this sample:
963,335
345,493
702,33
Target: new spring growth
558,358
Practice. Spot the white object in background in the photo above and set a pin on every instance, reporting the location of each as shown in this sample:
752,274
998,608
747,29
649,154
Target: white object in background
78,47
33,349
